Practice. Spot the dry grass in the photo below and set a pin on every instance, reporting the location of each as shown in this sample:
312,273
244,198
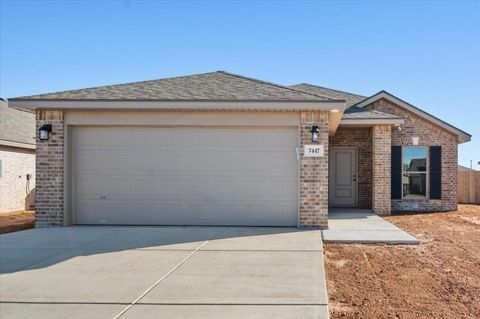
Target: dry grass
15,221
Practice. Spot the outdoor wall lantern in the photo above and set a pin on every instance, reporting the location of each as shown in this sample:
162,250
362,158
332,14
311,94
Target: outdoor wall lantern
45,132
315,133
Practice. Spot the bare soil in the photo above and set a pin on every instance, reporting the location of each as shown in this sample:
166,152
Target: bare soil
440,278
15,221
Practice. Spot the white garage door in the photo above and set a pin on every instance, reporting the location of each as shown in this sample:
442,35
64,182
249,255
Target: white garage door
185,176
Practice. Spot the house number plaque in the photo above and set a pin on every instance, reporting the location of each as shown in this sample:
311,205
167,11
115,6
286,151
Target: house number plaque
313,150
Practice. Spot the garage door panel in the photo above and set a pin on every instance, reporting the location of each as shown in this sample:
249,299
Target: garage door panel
96,163
198,176
193,213
172,187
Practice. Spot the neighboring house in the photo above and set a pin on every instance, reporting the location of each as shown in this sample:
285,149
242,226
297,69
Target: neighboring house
17,159
223,149
462,168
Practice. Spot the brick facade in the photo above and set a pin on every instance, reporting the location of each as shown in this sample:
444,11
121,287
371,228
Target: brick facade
359,138
313,181
16,193
373,146
49,201
429,135
381,169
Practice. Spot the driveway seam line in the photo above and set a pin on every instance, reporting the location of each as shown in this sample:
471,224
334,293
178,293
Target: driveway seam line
265,250
228,304
159,303
159,281
62,303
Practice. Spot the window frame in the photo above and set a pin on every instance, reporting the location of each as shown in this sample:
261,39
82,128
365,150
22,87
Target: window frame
426,172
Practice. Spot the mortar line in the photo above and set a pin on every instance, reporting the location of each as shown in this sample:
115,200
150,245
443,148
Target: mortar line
166,276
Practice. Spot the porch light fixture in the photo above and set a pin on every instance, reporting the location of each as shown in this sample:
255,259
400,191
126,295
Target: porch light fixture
45,132
315,133
334,111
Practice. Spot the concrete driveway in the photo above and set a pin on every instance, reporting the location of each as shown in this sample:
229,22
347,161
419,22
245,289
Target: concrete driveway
162,272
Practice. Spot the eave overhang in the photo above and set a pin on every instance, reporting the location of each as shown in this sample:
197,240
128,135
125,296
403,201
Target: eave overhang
462,135
179,105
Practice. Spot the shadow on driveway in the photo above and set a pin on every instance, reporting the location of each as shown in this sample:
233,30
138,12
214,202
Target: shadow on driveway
42,247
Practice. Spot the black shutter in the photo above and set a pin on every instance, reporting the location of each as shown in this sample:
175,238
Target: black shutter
396,172
435,172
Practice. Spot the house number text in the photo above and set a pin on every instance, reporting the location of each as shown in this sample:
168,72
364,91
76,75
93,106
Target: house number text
313,151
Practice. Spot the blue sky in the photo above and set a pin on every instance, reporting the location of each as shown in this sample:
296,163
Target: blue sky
427,53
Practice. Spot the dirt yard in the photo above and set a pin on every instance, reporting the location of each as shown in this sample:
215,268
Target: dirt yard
440,278
15,221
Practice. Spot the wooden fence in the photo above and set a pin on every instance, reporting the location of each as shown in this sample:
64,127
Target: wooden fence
468,187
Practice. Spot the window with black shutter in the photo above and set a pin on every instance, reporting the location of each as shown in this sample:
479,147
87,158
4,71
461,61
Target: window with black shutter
414,171
396,172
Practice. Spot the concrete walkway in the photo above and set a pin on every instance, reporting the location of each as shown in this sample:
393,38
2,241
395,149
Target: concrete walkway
362,226
163,272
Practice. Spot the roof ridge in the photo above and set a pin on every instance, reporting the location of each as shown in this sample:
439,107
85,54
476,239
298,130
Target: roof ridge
270,83
323,87
177,77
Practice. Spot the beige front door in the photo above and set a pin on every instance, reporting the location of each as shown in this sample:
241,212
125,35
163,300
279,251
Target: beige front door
343,177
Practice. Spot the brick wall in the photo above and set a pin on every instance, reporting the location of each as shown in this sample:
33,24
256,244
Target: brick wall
381,169
429,134
361,139
15,193
50,171
313,173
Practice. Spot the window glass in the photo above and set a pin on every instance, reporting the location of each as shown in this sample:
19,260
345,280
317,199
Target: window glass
414,185
414,166
414,159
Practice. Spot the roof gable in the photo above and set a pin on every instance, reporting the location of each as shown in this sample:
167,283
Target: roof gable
214,86
462,135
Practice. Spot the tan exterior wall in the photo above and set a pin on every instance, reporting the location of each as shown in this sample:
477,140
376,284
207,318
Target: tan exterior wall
50,172
15,192
381,169
52,177
359,138
313,173
188,118
429,135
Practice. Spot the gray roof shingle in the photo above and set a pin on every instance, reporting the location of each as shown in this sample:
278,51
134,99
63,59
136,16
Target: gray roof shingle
350,98
16,126
352,112
214,86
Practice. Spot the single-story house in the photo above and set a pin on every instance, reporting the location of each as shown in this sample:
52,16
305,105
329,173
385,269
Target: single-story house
17,159
223,149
